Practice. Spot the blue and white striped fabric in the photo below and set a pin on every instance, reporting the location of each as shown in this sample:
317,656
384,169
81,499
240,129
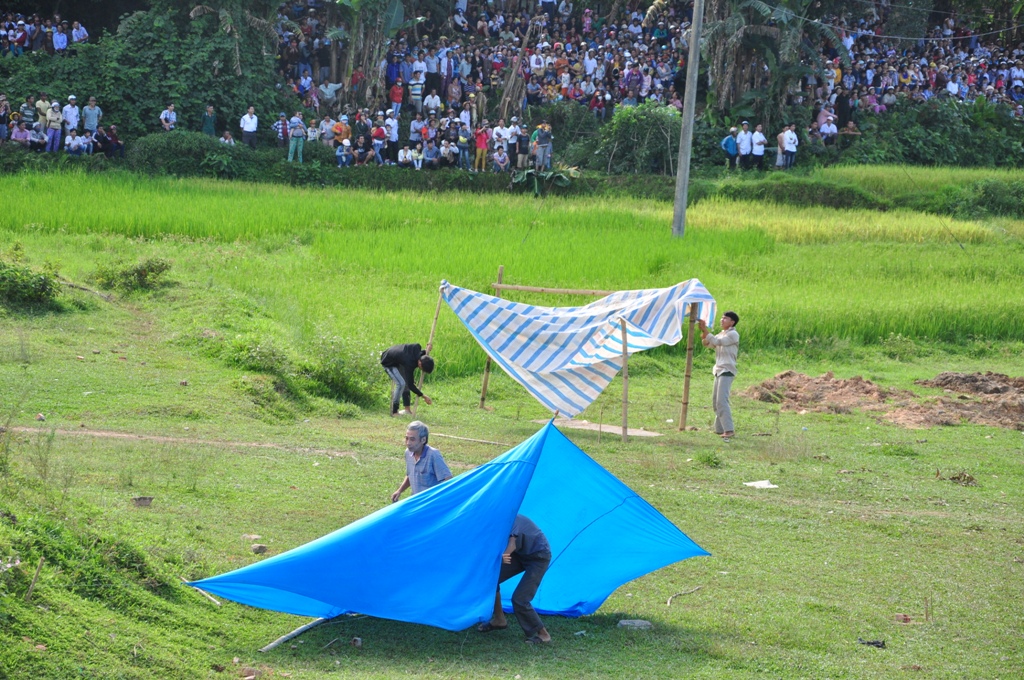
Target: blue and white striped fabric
567,356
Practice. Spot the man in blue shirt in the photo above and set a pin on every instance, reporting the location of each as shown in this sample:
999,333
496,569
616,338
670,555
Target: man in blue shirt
528,553
424,466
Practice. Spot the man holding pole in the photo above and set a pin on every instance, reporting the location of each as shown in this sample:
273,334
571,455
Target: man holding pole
726,344
400,362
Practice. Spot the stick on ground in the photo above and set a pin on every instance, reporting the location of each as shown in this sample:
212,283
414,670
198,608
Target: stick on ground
32,586
294,634
205,594
685,592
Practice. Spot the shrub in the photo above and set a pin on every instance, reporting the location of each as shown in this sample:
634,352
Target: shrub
24,287
132,277
709,459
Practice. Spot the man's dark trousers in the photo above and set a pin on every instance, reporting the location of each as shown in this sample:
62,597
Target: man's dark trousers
533,567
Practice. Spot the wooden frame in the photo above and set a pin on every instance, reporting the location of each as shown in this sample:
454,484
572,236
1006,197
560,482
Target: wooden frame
500,286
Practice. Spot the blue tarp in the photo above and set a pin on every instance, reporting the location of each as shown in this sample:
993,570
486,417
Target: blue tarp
434,558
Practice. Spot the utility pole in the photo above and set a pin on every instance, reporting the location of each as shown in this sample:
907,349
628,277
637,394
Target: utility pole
686,133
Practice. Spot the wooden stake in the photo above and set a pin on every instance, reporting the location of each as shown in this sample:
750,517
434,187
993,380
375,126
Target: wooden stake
295,633
202,592
487,366
430,347
32,586
689,367
625,384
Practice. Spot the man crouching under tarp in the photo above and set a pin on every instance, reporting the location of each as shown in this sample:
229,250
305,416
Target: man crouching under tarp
400,362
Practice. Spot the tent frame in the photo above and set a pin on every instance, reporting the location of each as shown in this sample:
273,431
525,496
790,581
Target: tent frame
499,286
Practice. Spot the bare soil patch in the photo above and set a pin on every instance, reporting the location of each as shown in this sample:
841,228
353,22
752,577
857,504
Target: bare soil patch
824,394
981,398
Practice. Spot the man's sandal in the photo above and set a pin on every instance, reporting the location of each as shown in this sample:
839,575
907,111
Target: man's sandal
536,640
487,627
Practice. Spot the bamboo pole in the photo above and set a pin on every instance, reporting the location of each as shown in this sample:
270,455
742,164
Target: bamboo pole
625,384
294,634
430,347
487,367
689,367
558,291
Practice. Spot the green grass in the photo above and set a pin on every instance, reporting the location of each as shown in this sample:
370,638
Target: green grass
264,278
893,181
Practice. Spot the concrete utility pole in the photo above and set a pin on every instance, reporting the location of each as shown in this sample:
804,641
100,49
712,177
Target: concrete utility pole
686,133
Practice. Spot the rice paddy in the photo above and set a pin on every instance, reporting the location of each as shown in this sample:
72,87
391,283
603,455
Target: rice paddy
366,266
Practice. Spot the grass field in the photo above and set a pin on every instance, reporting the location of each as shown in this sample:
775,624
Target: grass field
860,528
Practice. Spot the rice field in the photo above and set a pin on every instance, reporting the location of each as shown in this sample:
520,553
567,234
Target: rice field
897,180
310,264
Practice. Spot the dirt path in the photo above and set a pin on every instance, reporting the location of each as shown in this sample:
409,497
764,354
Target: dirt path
109,434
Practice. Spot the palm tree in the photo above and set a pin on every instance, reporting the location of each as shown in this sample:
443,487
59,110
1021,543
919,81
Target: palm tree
757,53
230,26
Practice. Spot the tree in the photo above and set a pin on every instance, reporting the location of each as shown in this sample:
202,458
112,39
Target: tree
757,54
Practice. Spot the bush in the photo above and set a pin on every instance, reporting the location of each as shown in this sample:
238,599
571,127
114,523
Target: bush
132,277
640,139
21,286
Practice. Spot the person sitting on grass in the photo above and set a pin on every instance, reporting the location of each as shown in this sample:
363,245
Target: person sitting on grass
400,363
405,157
500,160
73,144
431,156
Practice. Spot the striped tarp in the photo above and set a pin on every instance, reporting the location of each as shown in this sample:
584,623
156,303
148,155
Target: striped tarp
567,356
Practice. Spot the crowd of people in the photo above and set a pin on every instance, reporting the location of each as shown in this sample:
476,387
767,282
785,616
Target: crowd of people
44,126
437,88
22,34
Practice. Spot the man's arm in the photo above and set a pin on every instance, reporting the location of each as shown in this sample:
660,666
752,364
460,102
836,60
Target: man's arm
506,557
401,487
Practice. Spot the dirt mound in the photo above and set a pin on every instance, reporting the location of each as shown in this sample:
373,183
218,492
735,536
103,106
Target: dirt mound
800,392
976,383
982,398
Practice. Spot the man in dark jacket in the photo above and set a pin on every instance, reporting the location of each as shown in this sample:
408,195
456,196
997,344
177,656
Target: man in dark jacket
400,363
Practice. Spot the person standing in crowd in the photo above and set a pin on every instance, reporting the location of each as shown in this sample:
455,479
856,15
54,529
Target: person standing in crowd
54,124
208,124
168,119
281,129
745,146
527,552
27,111
400,363
542,146
758,145
91,116
72,114
5,119
730,148
726,344
296,136
424,466
790,142
249,124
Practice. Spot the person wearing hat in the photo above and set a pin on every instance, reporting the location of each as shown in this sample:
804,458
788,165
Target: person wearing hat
72,114
730,147
249,124
281,128
829,131
726,344
54,123
344,154
341,132
515,134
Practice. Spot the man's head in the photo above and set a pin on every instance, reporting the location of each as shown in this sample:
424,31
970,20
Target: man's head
427,362
416,436
729,320
252,110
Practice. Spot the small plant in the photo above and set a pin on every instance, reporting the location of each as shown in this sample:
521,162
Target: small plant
131,277
22,286
898,347
541,181
709,459
898,450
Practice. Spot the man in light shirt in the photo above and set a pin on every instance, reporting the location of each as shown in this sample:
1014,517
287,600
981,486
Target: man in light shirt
72,114
248,123
790,141
726,344
424,465
745,146
759,143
